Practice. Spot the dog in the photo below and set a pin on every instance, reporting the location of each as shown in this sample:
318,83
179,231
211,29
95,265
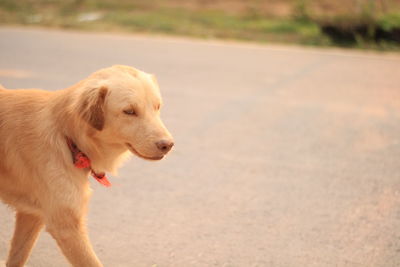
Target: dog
52,142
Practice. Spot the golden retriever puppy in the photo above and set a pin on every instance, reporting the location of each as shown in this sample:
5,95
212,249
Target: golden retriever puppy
51,142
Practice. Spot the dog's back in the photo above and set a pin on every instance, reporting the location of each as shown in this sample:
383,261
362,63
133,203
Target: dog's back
20,137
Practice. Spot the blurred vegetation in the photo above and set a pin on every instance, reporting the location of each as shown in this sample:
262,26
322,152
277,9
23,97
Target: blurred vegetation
351,23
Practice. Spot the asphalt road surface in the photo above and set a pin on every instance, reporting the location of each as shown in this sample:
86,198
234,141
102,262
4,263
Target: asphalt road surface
284,156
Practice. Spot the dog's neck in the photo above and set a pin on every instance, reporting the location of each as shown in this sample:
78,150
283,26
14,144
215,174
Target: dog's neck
82,161
104,157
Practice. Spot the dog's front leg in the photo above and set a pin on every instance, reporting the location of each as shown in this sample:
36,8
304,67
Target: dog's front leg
69,230
27,228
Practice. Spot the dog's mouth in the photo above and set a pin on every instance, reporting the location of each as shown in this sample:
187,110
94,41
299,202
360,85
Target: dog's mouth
134,151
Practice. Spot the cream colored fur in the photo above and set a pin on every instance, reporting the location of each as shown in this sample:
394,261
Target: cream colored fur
37,176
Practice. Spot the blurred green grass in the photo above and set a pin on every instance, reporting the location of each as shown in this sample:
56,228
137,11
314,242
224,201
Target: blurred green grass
285,21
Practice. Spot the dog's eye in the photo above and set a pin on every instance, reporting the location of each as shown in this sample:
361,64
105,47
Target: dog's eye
130,112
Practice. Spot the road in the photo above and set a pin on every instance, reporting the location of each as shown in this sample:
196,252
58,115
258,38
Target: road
284,156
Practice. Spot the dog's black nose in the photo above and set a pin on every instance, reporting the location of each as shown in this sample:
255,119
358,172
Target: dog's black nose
165,145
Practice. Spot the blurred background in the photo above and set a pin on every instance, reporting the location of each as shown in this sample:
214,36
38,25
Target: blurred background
353,23
285,155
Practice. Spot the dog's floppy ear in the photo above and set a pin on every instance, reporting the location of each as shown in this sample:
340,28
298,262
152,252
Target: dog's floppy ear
92,107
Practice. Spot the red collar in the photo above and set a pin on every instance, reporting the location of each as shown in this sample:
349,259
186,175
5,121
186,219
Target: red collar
81,161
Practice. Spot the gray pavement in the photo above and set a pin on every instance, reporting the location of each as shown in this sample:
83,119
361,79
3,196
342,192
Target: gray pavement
284,156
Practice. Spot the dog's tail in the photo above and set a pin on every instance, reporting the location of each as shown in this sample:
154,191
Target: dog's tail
2,87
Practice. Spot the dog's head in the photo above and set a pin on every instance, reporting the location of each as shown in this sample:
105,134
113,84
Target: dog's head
122,106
